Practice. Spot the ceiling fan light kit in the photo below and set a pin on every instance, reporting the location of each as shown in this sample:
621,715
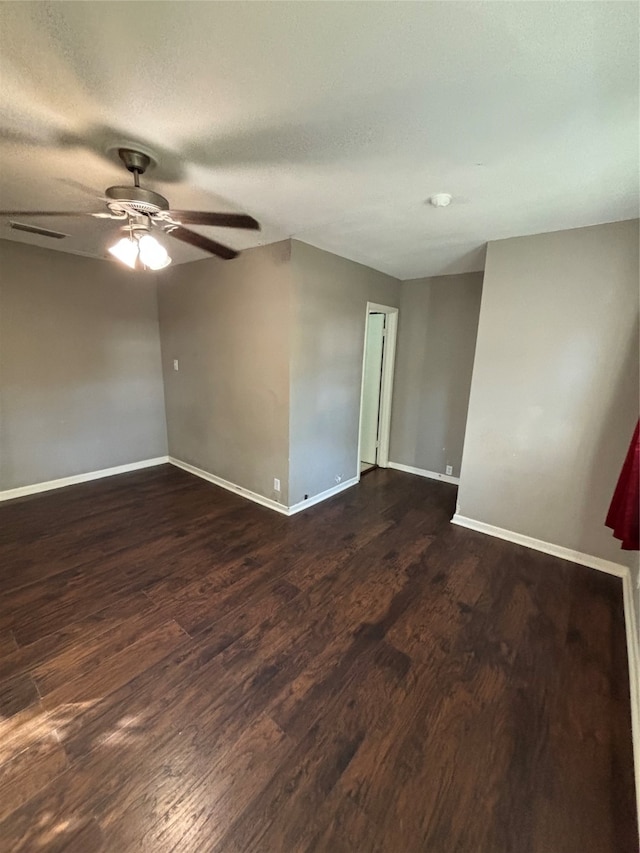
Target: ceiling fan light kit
142,210
152,254
125,250
141,249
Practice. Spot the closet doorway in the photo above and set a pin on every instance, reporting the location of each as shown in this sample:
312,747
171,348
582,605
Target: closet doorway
377,386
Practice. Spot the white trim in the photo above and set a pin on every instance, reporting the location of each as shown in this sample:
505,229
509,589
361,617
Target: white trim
631,618
230,487
631,622
546,547
421,472
260,499
386,390
322,496
377,308
35,488
23,491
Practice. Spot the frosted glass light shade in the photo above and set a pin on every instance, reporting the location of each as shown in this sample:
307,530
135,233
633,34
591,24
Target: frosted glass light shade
125,250
153,254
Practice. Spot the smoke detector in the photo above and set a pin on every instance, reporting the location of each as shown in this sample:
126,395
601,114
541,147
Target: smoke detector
440,199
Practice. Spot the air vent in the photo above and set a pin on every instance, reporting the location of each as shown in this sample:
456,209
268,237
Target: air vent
35,229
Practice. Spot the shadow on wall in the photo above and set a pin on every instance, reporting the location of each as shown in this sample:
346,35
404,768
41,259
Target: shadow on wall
609,453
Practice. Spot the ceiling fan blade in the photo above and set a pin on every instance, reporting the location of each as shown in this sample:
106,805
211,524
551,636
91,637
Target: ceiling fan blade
200,242
44,213
83,188
220,220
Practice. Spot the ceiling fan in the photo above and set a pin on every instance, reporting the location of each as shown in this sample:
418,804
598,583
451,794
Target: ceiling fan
142,211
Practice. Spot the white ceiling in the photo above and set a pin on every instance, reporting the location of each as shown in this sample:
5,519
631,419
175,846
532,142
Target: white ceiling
329,122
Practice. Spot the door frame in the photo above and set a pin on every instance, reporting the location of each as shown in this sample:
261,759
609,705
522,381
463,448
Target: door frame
386,385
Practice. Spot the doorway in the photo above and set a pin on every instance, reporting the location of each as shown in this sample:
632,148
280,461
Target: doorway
377,385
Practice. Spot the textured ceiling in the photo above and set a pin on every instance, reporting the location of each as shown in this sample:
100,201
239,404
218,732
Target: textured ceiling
328,122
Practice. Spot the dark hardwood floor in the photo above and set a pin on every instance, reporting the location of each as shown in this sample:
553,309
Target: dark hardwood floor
181,670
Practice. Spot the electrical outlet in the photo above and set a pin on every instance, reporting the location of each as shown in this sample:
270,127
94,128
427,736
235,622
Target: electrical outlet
176,366
449,470
338,478
276,484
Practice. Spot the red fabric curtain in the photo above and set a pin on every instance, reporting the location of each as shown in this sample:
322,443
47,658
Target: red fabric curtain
624,511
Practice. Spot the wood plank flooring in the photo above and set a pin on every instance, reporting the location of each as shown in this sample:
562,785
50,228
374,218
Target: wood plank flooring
181,670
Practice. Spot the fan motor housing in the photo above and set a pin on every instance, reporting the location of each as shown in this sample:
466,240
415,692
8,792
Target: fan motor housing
138,198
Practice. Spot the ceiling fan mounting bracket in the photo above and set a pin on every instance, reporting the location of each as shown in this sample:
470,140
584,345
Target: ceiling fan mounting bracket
135,200
134,161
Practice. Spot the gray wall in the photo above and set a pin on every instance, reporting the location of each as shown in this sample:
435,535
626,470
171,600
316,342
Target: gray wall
434,362
227,323
80,374
329,303
554,396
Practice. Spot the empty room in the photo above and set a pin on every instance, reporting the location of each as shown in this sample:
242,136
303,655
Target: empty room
319,453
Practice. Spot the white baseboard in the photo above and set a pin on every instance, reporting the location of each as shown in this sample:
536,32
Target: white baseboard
230,487
22,491
260,499
322,496
631,618
616,569
35,488
632,623
421,472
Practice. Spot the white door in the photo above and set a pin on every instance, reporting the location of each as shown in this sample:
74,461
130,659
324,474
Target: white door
371,383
